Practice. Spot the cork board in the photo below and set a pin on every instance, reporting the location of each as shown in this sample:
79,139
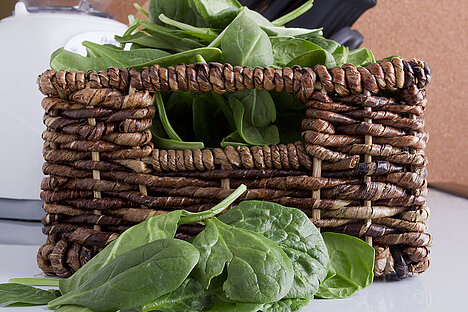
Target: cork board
434,31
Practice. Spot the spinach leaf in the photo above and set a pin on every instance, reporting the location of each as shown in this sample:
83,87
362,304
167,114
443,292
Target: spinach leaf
18,293
360,56
244,43
248,132
189,217
190,296
312,58
73,308
141,10
37,281
258,270
218,13
327,44
155,40
207,121
163,117
260,110
155,228
286,49
180,10
207,34
292,230
233,139
172,39
164,143
135,277
274,31
187,57
283,305
63,59
341,55
353,261
293,14
125,58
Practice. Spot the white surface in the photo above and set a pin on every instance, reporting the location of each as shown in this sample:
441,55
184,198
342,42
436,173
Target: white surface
442,288
29,40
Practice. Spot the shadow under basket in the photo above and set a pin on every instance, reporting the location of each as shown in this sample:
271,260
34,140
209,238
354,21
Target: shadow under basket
360,168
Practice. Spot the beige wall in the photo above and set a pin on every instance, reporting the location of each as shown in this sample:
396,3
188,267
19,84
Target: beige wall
434,31
6,7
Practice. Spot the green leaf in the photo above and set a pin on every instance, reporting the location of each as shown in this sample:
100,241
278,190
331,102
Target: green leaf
218,13
260,110
66,60
286,49
341,55
244,43
206,123
170,39
312,58
233,139
187,57
293,14
163,117
73,308
40,281
141,10
135,277
292,230
125,59
157,41
189,297
248,132
274,31
155,228
360,56
258,270
189,217
164,143
18,293
205,33
353,261
327,44
179,10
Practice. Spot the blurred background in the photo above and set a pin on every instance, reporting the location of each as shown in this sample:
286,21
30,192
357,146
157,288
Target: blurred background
433,31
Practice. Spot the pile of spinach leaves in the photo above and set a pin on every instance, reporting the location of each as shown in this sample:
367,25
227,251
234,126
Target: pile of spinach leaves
191,31
258,256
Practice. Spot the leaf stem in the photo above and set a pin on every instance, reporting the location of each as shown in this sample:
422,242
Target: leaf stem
163,117
44,281
293,14
200,216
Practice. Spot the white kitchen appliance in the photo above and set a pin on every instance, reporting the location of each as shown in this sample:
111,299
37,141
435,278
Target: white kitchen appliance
28,39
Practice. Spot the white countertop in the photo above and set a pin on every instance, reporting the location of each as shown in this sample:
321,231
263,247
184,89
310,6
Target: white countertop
442,288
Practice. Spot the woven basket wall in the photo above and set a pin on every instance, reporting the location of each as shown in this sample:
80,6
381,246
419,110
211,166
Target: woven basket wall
360,168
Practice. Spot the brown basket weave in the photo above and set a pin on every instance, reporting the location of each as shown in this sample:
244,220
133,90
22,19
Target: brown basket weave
360,169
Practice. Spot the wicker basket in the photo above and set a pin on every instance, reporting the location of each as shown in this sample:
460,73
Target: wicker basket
360,170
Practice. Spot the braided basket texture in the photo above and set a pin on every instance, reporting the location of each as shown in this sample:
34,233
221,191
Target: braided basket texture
360,168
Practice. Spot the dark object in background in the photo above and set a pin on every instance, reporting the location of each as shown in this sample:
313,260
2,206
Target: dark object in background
335,16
